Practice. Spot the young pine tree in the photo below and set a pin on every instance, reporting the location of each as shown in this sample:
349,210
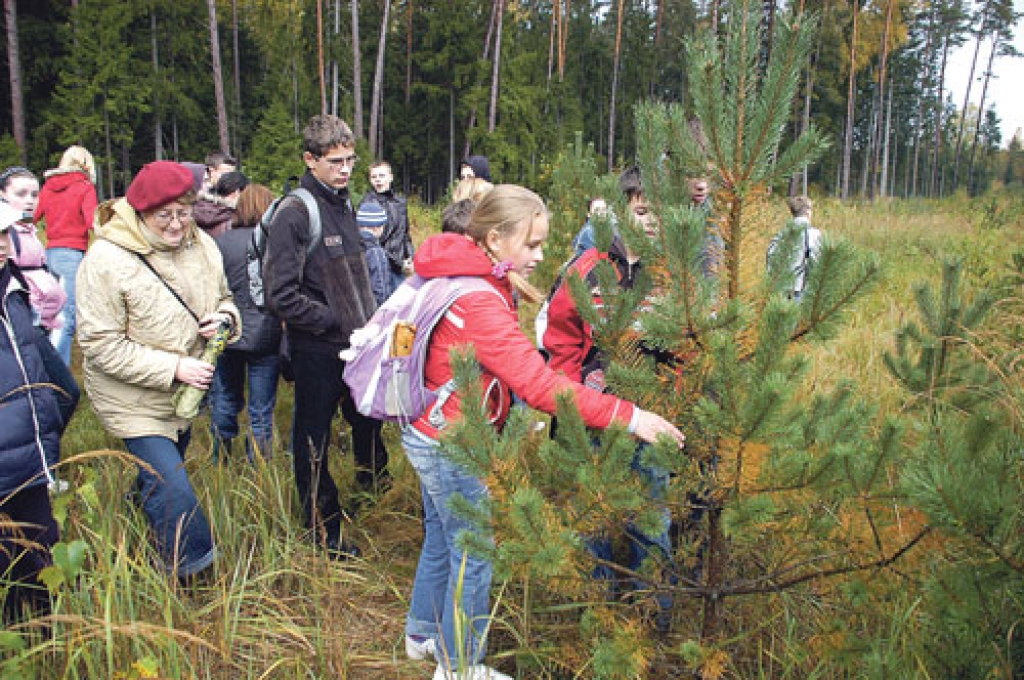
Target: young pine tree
960,367
781,484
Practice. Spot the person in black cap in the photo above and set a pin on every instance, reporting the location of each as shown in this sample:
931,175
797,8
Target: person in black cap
475,166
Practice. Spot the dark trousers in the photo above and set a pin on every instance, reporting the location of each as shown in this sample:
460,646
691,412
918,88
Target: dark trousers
319,391
27,533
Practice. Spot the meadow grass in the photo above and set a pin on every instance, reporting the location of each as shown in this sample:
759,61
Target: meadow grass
275,607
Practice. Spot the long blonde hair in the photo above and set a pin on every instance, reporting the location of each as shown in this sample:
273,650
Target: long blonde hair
78,158
507,209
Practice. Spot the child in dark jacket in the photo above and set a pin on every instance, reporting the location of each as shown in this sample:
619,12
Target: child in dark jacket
31,423
372,219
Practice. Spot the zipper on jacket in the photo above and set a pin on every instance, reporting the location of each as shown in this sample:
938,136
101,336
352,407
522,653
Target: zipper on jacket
12,338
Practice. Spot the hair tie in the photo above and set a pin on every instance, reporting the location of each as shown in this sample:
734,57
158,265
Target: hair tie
12,171
501,269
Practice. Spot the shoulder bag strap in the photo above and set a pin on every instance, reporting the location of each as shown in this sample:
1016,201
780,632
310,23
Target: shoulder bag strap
168,286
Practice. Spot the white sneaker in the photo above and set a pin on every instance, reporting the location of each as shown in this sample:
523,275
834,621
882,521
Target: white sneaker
416,650
477,672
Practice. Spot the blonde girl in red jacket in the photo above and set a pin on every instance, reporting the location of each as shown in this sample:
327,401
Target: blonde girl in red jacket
67,205
503,244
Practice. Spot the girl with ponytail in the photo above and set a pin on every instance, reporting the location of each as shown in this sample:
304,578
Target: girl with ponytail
503,244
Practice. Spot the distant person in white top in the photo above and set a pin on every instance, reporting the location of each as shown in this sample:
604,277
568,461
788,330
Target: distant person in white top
809,245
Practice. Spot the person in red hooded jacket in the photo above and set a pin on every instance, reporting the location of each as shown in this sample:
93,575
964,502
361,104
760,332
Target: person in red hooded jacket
502,244
67,204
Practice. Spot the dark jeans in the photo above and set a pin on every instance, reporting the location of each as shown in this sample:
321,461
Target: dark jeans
27,533
656,547
319,391
180,530
227,398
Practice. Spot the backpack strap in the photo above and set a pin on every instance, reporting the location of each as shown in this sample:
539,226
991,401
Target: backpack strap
315,228
471,284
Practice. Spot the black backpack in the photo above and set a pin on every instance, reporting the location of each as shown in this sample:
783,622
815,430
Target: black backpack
258,245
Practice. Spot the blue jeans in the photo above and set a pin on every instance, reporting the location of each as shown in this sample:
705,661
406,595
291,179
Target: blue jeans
180,530
63,263
227,398
432,609
656,547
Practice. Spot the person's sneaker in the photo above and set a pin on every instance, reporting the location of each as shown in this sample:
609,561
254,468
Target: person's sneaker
418,647
477,672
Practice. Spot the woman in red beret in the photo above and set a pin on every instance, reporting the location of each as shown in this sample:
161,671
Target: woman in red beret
151,291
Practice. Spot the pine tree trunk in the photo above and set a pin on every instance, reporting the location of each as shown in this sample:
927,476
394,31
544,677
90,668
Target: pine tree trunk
981,110
295,85
335,69
768,26
218,79
108,148
883,183
551,49
238,68
408,55
865,166
615,87
14,69
850,95
378,83
882,82
158,135
320,70
357,74
451,132
958,147
658,19
714,576
563,38
487,51
806,122
933,183
929,49
496,69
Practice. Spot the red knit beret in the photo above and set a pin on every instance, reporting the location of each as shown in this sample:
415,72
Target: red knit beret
157,184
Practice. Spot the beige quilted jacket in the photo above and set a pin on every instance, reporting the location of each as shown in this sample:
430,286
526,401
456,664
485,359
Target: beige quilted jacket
131,328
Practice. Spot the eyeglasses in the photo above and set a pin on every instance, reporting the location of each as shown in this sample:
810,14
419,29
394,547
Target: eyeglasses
341,161
165,217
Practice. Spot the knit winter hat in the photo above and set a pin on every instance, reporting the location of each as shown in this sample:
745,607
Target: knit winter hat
157,184
481,166
371,215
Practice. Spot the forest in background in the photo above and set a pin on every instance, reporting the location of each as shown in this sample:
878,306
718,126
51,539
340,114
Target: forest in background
425,83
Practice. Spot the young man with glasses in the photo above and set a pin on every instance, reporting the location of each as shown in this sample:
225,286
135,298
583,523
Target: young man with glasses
322,295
